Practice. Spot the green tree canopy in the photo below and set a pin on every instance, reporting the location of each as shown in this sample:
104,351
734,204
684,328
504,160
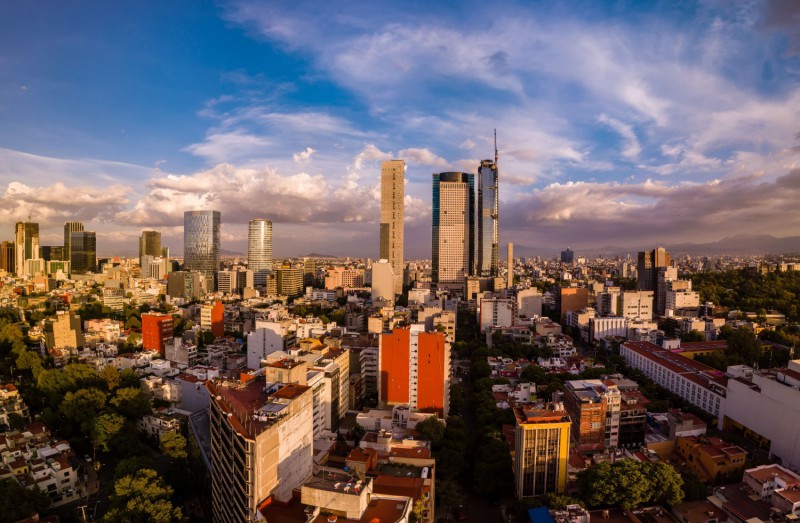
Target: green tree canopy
628,483
18,502
133,403
83,406
173,444
433,430
105,429
142,497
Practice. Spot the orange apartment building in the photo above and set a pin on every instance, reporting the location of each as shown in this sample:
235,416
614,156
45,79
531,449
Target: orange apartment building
414,370
156,330
710,459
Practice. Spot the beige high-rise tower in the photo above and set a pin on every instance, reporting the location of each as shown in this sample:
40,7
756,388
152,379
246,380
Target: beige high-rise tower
510,273
392,195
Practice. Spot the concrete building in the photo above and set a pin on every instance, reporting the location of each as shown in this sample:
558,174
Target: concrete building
681,299
415,370
26,246
496,312
600,328
710,459
664,277
594,408
570,299
187,285
201,243
212,318
764,405
266,338
259,250
701,385
453,238
529,303
541,454
11,403
510,266
63,332
156,331
383,282
261,445
114,298
289,280
392,213
608,302
637,305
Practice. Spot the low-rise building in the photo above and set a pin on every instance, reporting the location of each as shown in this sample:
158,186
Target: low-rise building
710,459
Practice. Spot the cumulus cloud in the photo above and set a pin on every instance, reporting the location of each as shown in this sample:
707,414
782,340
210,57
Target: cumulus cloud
304,155
58,202
370,153
422,156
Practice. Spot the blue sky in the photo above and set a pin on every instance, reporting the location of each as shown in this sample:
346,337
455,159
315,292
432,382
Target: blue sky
624,123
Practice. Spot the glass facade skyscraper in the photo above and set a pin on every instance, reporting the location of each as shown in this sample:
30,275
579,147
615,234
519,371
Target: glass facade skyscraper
259,250
26,245
83,252
201,242
69,228
453,234
487,234
150,244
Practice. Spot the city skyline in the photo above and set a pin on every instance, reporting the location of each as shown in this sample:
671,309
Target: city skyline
616,125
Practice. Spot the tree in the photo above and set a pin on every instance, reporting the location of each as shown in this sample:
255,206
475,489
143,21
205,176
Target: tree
128,379
356,433
132,403
15,421
492,476
173,444
433,430
129,466
18,502
82,407
142,497
105,429
628,483
693,335
111,376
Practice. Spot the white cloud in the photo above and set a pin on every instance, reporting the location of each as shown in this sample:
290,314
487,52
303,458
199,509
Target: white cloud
422,156
229,146
632,147
370,153
467,144
304,155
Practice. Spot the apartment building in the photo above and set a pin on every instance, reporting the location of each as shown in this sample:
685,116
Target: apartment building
541,450
261,444
594,408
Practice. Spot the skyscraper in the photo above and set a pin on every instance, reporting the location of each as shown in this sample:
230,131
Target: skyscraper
487,234
453,238
83,252
201,241
26,245
648,264
69,228
391,234
510,273
150,244
259,250
7,258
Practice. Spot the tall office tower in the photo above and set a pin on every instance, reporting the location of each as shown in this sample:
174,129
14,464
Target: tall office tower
542,450
69,228
201,240
309,272
647,267
149,244
27,245
83,252
392,205
487,233
414,369
510,273
568,256
259,250
52,253
664,275
453,238
261,444
7,259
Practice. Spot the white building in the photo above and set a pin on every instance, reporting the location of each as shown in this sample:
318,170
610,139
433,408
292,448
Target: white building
268,337
637,305
382,281
699,384
496,312
529,302
682,299
768,403
600,328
